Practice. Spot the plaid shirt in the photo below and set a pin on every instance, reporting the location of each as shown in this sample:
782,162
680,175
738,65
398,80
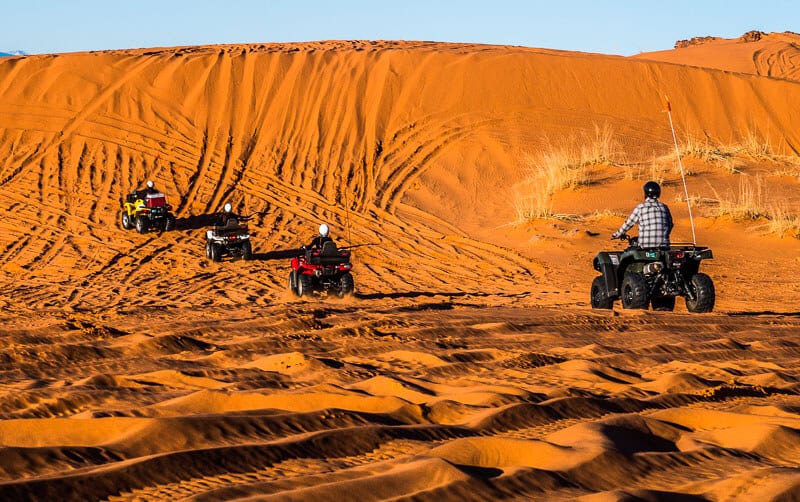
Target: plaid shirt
655,223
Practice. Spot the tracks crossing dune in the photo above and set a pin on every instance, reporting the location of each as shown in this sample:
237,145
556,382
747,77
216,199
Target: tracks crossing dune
468,364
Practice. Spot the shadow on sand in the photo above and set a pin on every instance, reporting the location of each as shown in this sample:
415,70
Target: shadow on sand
416,294
195,222
278,254
764,313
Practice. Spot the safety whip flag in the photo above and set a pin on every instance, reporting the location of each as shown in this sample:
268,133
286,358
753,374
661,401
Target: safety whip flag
668,110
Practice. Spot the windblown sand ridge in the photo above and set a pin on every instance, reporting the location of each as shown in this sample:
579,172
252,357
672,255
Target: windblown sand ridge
468,365
544,403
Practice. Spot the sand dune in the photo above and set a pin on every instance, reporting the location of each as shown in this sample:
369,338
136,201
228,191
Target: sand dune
468,365
774,55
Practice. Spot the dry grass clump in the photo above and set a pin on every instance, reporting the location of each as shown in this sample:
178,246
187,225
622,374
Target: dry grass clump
561,167
568,166
751,203
750,145
746,204
783,223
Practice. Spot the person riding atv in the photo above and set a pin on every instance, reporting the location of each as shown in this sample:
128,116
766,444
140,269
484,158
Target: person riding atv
321,238
229,235
146,208
653,217
322,267
652,271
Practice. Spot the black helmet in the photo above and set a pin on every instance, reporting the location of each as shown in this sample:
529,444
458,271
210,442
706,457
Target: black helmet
652,190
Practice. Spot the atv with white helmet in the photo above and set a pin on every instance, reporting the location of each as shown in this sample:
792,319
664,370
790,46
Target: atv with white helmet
230,235
146,209
322,267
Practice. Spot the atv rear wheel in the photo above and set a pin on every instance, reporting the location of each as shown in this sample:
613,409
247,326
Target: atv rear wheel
663,303
247,251
216,252
600,299
142,224
293,281
169,223
208,249
304,285
346,285
125,220
634,291
702,288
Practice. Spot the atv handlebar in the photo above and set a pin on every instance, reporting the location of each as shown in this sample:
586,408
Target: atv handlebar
632,241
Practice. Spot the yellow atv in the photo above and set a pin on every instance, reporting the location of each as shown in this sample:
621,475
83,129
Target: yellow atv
145,211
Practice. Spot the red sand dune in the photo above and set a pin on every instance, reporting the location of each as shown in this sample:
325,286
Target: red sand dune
469,364
774,55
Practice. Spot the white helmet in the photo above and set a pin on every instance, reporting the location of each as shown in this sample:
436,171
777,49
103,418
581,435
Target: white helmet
323,230
228,207
150,184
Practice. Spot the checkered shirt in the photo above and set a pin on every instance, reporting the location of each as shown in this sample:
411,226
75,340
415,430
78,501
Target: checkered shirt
655,223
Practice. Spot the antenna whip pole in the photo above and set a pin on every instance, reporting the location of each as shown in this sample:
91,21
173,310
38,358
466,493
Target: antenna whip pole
680,165
347,214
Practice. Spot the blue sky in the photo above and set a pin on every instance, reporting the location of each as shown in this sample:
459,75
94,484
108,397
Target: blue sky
614,27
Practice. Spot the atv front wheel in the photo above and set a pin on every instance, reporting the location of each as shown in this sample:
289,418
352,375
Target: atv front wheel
208,249
663,303
216,252
701,287
634,291
600,299
247,251
293,281
304,285
346,285
125,220
142,224
169,223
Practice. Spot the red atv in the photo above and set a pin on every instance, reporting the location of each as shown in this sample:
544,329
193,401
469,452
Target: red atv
323,270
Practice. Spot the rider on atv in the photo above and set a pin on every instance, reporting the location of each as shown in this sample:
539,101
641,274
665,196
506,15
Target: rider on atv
320,239
146,208
653,217
150,189
226,215
322,267
229,235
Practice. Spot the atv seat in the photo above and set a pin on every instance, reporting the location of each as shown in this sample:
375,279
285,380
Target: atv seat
329,254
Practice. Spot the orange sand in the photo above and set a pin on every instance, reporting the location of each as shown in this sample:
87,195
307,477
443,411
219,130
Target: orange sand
469,364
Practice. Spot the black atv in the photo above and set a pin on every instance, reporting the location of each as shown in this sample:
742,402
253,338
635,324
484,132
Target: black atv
232,239
644,277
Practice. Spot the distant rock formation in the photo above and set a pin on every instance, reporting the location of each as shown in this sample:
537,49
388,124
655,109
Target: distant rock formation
680,44
752,36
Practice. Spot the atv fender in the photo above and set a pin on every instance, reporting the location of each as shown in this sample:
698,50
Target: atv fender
606,263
